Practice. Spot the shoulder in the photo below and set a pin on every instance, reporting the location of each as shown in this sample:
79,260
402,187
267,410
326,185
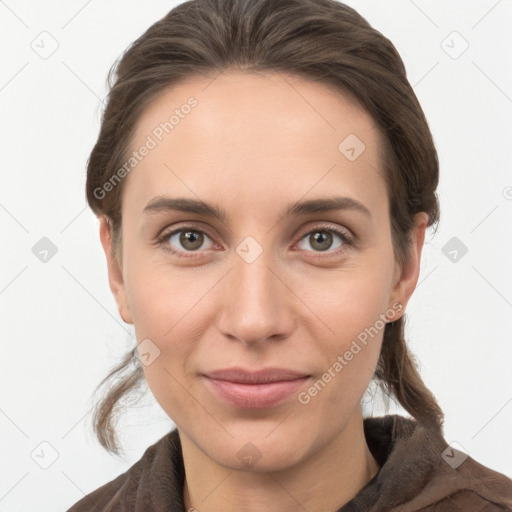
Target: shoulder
469,486
121,492
421,471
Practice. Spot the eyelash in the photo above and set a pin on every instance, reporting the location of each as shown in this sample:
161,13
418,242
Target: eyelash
347,239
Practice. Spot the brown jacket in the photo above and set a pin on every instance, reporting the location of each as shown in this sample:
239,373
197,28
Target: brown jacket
419,472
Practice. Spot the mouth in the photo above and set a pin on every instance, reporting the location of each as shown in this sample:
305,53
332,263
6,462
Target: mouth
259,389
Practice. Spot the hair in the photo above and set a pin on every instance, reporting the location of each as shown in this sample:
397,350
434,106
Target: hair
321,40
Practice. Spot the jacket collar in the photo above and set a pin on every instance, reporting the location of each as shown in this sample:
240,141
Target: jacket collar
415,474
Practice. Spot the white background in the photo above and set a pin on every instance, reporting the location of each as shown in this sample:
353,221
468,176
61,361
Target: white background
60,328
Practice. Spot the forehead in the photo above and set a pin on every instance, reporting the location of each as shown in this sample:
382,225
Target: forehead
254,135
263,102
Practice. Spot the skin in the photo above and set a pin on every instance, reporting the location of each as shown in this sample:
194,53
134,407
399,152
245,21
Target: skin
254,144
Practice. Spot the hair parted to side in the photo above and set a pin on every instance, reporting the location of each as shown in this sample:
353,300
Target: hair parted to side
321,40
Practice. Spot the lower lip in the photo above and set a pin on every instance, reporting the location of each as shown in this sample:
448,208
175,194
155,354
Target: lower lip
255,396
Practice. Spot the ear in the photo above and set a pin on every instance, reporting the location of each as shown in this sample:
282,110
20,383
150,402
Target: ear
115,274
405,279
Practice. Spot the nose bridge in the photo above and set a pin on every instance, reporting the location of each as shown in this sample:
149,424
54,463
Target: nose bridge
254,308
254,281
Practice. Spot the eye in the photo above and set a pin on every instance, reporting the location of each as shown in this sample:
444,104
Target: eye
321,239
183,240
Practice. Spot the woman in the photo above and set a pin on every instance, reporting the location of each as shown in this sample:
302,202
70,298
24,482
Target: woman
264,178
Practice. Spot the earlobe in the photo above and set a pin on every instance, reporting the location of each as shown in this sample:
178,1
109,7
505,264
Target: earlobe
115,274
407,278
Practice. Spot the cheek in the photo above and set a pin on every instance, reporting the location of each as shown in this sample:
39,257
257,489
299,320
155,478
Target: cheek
350,355
167,306
353,306
160,297
352,300
162,311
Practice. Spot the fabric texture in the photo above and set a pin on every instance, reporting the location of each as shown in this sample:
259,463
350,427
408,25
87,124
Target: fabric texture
419,471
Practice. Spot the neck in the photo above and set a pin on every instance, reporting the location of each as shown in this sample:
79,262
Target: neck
324,482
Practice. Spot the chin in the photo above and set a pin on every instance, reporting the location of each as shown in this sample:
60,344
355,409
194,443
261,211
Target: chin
256,458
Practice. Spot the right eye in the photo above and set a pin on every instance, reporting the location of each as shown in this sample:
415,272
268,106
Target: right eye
185,239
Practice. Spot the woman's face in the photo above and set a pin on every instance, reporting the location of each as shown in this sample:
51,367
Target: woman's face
261,284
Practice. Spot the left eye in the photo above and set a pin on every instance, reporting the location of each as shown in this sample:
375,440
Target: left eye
322,239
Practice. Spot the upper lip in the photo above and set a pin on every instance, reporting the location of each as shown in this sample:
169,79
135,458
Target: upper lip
246,376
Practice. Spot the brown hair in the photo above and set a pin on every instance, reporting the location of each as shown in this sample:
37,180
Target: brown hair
321,40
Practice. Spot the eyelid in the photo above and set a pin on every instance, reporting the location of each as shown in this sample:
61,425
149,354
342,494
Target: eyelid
342,232
167,232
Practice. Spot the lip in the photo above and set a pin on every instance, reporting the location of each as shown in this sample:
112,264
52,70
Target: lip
251,389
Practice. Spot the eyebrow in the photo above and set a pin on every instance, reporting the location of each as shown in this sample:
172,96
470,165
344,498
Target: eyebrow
186,205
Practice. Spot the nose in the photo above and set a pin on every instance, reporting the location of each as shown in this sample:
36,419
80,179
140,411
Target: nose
256,303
